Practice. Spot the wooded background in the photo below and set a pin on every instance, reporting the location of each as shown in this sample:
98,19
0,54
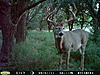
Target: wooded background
22,20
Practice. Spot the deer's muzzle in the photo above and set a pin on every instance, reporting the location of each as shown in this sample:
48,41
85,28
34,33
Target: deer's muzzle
61,33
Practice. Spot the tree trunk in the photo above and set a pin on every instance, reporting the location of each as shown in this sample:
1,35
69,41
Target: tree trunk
20,32
7,34
19,9
96,22
96,28
7,45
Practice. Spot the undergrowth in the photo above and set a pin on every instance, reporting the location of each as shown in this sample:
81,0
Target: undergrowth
38,53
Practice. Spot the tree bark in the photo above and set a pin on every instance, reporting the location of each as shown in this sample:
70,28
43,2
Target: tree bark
19,10
7,44
7,34
20,32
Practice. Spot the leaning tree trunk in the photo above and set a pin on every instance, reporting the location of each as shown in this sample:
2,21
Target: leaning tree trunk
20,32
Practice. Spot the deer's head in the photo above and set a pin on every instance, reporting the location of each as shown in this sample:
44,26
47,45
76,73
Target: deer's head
58,30
58,27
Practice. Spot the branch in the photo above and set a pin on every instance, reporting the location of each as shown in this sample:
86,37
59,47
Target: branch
31,6
27,8
35,12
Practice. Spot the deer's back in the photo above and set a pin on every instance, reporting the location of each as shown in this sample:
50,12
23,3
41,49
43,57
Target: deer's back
83,34
74,39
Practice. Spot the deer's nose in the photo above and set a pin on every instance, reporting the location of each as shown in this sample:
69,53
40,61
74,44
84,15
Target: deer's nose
60,33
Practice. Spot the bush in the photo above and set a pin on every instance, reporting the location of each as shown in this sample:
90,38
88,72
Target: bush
36,53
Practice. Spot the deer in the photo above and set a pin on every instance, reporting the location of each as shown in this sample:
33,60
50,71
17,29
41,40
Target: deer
68,41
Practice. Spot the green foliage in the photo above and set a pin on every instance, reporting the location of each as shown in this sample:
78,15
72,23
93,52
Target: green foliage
38,52
76,1
92,58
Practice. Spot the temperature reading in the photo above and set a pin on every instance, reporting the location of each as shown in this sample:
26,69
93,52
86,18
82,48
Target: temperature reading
19,73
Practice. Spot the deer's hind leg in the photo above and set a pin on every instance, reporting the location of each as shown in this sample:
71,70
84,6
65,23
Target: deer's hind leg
82,52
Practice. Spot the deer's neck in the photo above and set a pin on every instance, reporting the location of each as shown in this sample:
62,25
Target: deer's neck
59,44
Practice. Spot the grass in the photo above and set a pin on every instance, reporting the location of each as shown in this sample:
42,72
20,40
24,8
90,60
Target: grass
38,52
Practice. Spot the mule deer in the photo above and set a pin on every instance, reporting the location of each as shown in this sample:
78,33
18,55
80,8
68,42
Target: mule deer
67,41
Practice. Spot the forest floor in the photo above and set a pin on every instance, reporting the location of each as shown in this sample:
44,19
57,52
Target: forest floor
38,53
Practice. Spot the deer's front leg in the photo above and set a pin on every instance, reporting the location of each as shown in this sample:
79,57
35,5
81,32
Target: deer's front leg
67,59
60,61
